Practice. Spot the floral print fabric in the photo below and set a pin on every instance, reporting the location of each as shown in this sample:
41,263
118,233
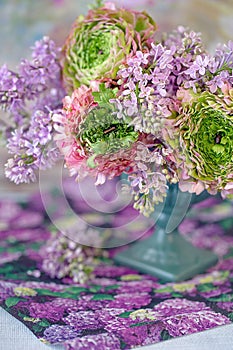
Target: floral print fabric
120,308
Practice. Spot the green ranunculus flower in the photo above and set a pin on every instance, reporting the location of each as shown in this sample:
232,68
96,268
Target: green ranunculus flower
99,43
204,129
102,133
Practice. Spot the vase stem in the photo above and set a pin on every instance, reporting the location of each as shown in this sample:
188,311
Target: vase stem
168,255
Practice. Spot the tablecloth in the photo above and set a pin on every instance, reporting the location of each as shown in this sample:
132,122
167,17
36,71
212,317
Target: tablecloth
118,308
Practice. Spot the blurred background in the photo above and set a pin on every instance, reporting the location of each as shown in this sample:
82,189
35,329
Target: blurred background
25,21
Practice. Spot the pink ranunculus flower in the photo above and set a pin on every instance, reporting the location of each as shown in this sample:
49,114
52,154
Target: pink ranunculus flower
92,140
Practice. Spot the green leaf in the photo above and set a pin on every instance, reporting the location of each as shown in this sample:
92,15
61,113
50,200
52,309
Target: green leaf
125,314
103,297
206,287
227,224
22,315
16,248
97,4
44,323
104,94
176,295
67,295
17,276
6,268
114,286
12,301
230,315
229,254
41,291
164,290
142,323
37,328
94,289
223,298
165,335
75,290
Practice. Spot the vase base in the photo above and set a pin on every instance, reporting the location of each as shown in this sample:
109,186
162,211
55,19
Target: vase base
181,262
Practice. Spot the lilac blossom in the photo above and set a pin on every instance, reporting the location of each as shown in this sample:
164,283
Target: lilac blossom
130,301
226,305
6,290
94,342
177,306
112,271
112,320
63,256
86,303
148,85
197,321
7,257
82,320
30,97
149,81
142,335
46,310
141,286
216,291
59,333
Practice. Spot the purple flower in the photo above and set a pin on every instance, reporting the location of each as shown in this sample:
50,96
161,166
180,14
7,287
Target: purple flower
218,81
54,287
94,342
216,292
199,66
27,219
18,171
58,334
112,271
11,90
141,335
85,303
142,286
82,320
64,303
188,323
7,290
9,210
177,306
46,310
130,301
9,257
31,96
111,320
26,234
226,305
226,264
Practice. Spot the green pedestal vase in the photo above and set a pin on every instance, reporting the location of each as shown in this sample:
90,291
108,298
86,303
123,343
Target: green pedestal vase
166,254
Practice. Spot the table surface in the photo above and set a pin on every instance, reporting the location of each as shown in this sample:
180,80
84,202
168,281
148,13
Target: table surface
16,336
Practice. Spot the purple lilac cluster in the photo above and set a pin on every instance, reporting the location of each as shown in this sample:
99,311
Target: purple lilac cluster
93,342
150,85
150,80
59,333
64,257
30,97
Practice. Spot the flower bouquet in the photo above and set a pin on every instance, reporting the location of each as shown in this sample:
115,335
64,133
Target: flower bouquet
116,100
